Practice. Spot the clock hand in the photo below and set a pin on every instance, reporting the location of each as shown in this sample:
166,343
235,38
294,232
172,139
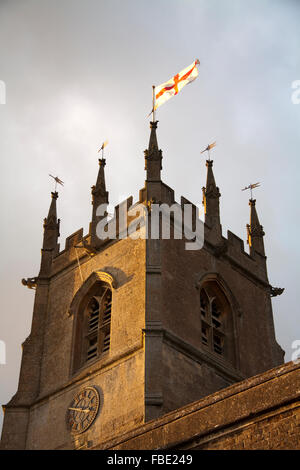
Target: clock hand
85,410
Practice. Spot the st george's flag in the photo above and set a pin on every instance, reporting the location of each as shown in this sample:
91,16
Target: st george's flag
165,91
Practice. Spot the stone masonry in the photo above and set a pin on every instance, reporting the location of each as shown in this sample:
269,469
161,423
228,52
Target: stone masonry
185,326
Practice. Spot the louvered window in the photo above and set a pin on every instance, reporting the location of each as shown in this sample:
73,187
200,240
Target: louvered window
93,325
98,320
105,327
212,328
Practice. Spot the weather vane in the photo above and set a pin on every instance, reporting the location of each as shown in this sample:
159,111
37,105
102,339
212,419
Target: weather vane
102,148
57,180
251,187
210,146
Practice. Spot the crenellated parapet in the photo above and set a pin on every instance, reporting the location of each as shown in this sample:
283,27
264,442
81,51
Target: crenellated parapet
78,247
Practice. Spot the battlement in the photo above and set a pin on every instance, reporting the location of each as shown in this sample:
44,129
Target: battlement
232,248
74,239
160,193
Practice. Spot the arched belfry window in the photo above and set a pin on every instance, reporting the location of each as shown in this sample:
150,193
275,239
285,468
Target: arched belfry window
92,309
216,321
97,325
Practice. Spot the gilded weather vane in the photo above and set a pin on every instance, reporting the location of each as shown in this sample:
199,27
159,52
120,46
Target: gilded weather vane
208,148
57,180
251,187
102,148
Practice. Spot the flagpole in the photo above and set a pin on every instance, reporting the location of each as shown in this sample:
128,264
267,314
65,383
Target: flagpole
153,103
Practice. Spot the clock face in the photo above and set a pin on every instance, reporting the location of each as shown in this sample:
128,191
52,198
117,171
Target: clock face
83,410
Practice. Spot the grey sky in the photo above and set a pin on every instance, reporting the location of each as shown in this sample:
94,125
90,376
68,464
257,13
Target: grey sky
79,72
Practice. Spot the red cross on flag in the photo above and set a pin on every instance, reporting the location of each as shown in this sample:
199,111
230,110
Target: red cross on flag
166,90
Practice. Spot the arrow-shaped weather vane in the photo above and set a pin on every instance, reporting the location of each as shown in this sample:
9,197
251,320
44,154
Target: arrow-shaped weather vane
57,180
102,148
251,187
210,146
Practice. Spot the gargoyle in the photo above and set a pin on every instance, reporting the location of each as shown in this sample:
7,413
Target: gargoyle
274,291
30,282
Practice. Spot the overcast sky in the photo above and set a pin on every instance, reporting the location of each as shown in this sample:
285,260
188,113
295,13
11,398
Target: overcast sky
78,72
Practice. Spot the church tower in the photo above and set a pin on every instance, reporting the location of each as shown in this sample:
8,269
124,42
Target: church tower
127,326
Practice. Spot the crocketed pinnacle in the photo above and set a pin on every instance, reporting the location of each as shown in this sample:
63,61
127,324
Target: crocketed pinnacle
211,195
52,214
99,190
153,156
99,197
51,225
255,231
